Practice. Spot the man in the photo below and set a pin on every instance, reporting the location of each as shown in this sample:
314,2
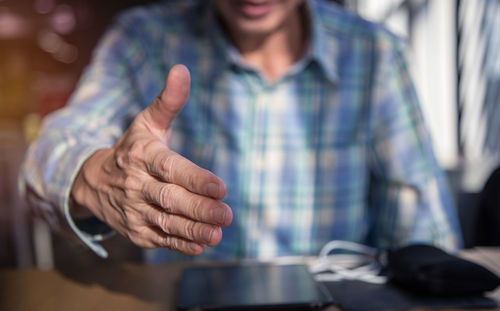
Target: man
302,116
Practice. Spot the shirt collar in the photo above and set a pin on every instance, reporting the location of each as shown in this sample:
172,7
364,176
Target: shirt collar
322,47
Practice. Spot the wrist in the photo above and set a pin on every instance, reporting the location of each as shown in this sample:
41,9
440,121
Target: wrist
83,200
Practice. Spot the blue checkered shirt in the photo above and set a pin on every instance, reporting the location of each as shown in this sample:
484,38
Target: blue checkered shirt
334,149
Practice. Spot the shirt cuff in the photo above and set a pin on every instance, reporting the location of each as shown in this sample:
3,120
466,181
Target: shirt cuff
90,238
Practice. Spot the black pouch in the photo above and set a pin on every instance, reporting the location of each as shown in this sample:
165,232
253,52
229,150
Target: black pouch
429,270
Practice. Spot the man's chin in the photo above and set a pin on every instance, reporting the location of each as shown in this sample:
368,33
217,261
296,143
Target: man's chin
254,28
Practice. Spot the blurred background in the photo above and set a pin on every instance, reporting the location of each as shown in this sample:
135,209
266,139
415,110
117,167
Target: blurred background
45,45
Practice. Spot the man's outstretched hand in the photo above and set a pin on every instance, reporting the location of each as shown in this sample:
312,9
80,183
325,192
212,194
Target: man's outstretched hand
148,193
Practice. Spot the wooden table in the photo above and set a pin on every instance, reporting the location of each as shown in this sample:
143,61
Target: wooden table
122,286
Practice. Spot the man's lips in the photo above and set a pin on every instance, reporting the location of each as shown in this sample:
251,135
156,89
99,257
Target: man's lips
254,9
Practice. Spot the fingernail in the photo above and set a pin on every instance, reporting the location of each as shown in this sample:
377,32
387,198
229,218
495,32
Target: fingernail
207,234
213,190
219,215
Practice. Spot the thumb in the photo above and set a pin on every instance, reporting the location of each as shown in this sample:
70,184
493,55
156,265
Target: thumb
159,115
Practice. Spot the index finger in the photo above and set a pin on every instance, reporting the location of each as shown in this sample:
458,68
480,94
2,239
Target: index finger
171,167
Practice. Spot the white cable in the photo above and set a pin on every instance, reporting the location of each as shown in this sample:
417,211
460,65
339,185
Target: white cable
345,245
360,264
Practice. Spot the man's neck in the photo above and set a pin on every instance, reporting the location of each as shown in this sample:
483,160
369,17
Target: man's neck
275,53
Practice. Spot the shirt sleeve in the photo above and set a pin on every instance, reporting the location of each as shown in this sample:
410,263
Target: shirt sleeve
410,198
103,106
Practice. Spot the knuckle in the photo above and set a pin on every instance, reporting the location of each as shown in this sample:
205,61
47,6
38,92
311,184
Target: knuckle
120,159
166,197
191,182
164,241
174,244
163,222
178,245
185,247
135,151
131,185
196,208
190,230
133,220
151,144
132,224
166,165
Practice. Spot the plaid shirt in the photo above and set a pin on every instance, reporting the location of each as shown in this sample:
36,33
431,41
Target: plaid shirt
335,149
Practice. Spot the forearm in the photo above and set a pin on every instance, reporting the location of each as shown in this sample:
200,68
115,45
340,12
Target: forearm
48,171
